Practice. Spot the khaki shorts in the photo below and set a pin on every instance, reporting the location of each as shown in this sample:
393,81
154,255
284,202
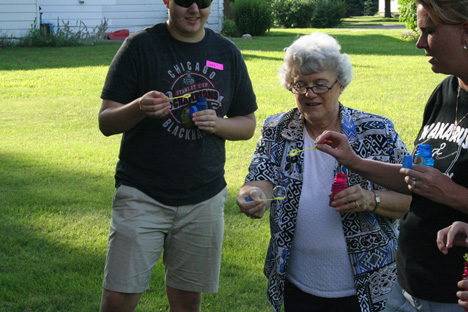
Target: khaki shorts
191,237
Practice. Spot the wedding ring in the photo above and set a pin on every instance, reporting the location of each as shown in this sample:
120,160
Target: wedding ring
413,184
357,204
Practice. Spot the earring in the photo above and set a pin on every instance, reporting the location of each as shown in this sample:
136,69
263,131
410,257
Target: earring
464,48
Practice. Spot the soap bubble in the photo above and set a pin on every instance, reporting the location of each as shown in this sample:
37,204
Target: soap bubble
279,191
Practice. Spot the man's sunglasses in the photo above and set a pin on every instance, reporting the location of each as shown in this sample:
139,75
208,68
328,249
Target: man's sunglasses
202,4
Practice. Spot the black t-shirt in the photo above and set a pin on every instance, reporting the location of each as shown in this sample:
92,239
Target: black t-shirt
423,271
170,159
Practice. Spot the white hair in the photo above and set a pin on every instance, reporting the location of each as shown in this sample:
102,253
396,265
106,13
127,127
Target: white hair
315,53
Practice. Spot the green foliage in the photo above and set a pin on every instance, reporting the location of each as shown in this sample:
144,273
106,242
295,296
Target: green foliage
372,7
293,13
355,7
252,17
408,15
230,29
64,35
328,13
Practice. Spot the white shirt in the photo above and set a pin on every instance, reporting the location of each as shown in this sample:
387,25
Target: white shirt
319,263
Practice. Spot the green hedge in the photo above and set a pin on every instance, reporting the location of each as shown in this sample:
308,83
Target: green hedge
293,13
252,17
308,13
328,13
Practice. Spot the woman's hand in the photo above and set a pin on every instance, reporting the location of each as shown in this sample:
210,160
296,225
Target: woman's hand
337,145
455,234
354,199
463,294
253,209
436,186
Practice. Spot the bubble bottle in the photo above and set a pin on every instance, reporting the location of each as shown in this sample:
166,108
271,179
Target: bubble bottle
465,273
424,155
340,183
408,161
201,105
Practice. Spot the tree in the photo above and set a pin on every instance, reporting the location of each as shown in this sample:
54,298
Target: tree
388,10
355,7
408,10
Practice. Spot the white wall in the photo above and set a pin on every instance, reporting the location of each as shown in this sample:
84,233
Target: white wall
133,15
393,7
16,16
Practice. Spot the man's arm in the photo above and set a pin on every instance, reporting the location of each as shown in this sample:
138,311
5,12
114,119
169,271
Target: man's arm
115,118
234,128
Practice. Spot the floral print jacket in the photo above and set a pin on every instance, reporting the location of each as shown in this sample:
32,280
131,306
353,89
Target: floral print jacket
371,239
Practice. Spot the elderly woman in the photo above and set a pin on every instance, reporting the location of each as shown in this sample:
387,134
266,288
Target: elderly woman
322,258
427,279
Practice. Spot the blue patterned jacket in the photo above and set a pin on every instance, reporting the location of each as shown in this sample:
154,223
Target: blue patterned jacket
371,239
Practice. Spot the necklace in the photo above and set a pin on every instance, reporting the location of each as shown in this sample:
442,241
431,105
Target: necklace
457,122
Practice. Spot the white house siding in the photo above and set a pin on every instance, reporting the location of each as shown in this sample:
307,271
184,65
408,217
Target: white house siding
120,14
16,16
393,7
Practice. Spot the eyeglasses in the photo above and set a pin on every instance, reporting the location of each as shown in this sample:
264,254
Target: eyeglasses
202,4
297,89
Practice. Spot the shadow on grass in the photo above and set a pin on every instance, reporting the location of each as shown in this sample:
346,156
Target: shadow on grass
53,239
275,41
365,44
49,259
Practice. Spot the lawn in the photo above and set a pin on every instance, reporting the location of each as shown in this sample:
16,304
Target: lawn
56,168
370,21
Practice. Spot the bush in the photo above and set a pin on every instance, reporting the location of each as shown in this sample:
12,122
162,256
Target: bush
407,11
355,7
230,29
372,7
328,13
63,36
252,16
293,13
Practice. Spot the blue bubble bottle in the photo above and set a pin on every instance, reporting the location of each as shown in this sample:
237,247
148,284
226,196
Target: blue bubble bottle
424,155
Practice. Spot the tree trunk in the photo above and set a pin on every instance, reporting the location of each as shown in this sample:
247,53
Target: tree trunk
388,11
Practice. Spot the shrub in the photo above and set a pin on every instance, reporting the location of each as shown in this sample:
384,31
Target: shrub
7,40
252,16
293,13
355,7
372,7
328,13
230,29
407,11
64,35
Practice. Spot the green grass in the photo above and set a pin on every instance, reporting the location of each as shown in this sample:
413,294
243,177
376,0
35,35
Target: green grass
370,21
56,168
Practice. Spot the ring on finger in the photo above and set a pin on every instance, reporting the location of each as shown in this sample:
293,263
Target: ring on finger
356,204
413,184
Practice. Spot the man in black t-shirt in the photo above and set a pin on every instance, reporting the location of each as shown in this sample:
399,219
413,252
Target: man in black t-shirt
170,186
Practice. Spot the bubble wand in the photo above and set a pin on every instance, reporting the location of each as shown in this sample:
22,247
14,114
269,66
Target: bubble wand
185,96
279,193
294,152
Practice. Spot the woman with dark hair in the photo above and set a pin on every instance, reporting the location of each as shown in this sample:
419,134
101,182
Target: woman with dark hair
427,279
